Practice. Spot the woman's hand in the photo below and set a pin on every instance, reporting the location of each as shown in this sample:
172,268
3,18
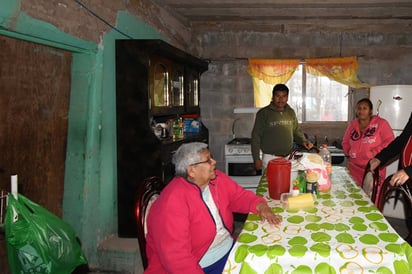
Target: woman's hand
267,214
399,178
374,163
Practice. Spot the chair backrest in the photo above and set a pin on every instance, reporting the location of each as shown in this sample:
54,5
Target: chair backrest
301,148
403,192
147,193
370,183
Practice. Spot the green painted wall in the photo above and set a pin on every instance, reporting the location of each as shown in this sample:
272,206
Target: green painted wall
90,195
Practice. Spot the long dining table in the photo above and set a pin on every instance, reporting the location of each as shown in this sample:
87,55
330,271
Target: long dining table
342,233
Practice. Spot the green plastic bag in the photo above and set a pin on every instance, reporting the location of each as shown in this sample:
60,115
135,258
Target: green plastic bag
38,241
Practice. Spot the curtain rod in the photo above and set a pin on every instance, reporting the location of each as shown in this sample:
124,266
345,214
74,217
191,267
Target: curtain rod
302,60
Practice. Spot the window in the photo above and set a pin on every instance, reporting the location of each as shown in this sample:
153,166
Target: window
314,98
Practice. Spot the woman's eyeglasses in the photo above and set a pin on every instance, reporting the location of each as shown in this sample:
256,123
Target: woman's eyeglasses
209,161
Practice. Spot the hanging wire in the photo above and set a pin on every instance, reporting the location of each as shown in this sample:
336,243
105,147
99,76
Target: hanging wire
101,19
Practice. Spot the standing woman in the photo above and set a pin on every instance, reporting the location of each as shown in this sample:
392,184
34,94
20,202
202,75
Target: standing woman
365,137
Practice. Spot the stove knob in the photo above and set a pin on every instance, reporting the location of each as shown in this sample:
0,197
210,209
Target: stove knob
230,150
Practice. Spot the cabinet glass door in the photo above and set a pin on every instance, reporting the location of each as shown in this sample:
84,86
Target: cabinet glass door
192,91
177,85
161,94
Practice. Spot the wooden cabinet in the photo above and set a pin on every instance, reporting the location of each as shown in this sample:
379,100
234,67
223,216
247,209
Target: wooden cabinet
154,82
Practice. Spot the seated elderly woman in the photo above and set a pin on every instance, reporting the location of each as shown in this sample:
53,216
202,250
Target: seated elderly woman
191,223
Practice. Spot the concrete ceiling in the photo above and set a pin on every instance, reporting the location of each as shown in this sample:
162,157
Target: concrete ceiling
197,13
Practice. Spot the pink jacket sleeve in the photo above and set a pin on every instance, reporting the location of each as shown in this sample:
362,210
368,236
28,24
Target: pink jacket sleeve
385,134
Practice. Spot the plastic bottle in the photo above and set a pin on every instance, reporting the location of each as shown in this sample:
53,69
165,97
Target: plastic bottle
181,128
327,158
300,181
177,129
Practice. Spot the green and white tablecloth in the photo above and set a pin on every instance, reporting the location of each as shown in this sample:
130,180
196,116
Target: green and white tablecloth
343,233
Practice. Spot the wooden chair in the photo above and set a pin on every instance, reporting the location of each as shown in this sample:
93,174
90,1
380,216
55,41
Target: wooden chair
398,193
301,148
370,183
147,193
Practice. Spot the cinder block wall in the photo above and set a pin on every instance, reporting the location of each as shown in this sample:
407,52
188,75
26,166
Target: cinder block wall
384,57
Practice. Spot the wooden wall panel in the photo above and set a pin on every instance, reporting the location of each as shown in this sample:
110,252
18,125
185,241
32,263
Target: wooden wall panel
34,102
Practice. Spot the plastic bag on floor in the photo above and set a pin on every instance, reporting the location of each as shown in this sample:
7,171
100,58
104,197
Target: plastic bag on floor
38,241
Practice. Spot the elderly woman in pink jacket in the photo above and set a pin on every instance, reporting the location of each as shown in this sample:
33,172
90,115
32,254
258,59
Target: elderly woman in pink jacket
365,137
190,225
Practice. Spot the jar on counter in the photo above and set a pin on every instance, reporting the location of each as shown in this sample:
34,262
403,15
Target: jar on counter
312,182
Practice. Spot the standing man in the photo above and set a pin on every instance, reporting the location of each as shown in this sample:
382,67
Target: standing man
276,128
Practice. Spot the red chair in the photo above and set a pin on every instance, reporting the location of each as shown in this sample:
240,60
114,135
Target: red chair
398,193
147,193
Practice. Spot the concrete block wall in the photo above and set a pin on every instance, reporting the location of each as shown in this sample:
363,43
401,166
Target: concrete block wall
384,56
223,87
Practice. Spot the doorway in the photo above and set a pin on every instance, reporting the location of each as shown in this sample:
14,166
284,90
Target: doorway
34,104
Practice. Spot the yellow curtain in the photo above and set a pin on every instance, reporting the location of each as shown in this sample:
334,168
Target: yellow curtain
272,71
343,70
268,72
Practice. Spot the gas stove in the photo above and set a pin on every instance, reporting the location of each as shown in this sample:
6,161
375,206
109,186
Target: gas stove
238,146
239,163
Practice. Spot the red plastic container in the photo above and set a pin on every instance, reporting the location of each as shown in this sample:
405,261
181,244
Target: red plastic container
278,176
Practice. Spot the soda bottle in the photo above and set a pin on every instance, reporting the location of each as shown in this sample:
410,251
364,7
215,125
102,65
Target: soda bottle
327,158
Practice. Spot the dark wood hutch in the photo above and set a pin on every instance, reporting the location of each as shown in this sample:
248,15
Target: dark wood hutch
155,82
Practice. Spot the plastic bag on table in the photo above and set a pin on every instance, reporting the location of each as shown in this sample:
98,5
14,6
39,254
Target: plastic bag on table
38,241
314,162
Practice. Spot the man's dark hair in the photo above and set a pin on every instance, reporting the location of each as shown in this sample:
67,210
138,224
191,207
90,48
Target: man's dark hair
280,87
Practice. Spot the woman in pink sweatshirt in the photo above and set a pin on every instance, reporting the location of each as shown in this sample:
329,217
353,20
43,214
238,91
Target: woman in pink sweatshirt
190,224
365,137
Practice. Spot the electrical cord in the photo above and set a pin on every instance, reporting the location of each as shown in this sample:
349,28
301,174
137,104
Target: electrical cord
101,19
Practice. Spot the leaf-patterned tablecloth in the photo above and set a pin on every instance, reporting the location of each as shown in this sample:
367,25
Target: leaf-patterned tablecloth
343,233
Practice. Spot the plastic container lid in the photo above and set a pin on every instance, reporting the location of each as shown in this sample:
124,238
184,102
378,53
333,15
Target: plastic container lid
300,201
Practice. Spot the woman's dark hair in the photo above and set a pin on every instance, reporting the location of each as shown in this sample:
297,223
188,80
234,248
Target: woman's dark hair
367,101
280,87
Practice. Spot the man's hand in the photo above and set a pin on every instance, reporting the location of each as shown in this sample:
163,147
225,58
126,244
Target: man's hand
258,164
266,214
308,145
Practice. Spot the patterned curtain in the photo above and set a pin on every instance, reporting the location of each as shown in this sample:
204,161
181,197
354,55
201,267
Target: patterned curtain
272,71
343,70
268,72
